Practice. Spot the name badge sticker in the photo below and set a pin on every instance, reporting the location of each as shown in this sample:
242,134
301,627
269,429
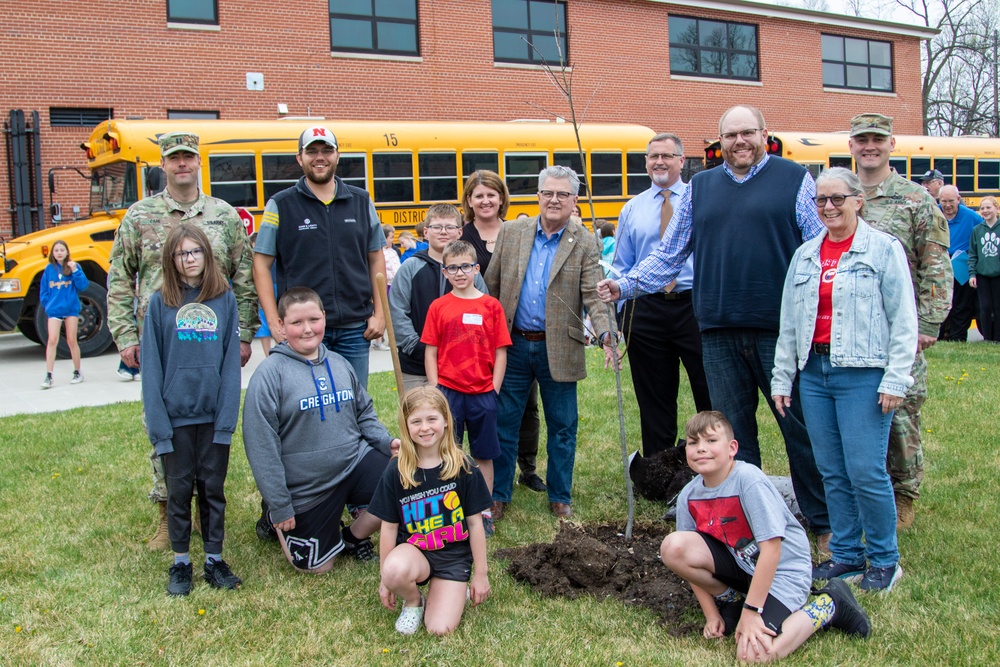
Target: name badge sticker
472,318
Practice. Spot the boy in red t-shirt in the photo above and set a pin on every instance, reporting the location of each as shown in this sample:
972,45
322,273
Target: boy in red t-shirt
466,337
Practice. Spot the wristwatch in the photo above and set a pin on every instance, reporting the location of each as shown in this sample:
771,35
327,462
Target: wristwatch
759,610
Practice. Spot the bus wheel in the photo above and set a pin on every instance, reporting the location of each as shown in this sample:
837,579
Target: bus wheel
92,334
27,328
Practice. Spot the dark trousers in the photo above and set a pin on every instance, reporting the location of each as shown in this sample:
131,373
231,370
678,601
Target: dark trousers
988,292
660,334
963,307
196,460
527,443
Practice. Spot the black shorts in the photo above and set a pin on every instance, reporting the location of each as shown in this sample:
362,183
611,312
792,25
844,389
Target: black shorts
728,571
316,536
450,566
478,412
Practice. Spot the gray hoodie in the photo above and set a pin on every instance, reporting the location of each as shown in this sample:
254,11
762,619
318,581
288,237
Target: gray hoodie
306,425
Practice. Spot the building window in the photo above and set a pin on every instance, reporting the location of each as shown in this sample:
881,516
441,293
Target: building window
519,25
193,11
374,26
77,117
862,64
718,49
189,114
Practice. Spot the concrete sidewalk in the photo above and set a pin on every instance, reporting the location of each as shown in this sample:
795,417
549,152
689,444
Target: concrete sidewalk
22,367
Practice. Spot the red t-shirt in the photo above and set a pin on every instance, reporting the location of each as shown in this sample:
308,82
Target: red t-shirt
467,333
829,257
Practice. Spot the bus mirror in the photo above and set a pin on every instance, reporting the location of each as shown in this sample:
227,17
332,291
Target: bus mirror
56,211
154,179
52,182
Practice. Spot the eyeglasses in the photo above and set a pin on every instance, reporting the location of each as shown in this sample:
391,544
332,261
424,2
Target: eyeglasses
661,156
549,194
746,135
193,253
838,200
442,228
453,269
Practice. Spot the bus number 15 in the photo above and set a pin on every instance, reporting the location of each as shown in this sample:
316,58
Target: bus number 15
391,140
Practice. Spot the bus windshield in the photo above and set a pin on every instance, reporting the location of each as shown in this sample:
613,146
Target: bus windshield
113,187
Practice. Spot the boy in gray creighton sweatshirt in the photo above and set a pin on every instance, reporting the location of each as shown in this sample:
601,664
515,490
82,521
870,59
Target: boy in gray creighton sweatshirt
313,441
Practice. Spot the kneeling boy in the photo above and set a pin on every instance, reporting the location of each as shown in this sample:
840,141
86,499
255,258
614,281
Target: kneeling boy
745,555
313,441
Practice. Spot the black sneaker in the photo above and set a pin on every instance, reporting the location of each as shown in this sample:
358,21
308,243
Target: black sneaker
362,550
264,529
730,612
218,575
831,569
848,616
532,481
180,579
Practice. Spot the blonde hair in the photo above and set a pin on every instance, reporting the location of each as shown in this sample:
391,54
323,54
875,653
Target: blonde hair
453,460
213,283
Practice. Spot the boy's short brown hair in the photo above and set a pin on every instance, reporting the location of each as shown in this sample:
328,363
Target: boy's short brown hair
456,248
708,420
443,211
295,296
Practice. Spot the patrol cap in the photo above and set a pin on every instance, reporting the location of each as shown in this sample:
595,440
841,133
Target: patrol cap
932,175
178,141
317,133
874,123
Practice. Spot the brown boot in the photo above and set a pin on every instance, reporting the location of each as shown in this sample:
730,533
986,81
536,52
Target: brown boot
160,541
904,512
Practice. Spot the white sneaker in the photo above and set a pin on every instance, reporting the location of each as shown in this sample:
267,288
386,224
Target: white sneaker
77,378
47,382
411,618
125,375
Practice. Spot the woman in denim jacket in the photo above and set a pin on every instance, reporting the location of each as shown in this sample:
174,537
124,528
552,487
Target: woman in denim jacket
849,327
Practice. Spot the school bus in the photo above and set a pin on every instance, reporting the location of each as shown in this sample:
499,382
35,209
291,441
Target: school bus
970,163
406,166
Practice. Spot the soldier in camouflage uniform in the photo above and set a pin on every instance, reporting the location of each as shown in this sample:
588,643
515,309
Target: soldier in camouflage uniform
136,270
907,211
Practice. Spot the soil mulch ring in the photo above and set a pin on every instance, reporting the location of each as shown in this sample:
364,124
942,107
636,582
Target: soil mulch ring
596,561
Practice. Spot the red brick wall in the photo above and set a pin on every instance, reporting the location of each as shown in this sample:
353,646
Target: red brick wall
71,53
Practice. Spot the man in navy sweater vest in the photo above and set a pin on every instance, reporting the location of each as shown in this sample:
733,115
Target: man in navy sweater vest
742,222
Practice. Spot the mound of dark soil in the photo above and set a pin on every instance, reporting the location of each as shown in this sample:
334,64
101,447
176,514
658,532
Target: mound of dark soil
662,476
595,560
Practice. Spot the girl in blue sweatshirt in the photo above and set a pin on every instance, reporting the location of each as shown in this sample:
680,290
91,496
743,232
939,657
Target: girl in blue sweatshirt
62,282
190,359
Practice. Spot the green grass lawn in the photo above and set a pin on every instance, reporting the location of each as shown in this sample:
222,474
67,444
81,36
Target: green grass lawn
78,587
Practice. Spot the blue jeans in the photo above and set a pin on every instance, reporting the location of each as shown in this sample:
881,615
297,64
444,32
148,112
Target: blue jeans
850,436
737,363
351,345
527,361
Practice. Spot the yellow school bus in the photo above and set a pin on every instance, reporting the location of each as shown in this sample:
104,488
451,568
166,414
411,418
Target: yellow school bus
970,163
406,166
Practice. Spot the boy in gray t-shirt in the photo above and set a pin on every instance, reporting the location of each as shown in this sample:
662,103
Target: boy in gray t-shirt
745,555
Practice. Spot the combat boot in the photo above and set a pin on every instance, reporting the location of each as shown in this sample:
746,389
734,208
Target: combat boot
904,511
160,541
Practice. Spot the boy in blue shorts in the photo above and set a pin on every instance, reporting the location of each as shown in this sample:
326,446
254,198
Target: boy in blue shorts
745,555
466,337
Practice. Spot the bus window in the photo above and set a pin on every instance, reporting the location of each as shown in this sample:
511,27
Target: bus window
814,168
965,174
351,170
113,186
438,176
691,167
899,164
522,172
989,175
392,174
946,167
280,172
573,161
635,169
233,178
918,167
475,161
606,174
841,161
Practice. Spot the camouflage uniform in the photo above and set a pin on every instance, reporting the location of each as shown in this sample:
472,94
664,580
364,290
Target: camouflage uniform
908,212
136,271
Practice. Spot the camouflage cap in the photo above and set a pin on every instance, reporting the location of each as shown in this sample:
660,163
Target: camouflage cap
317,133
873,123
178,141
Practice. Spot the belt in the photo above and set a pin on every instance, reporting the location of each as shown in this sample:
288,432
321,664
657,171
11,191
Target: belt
677,296
530,335
822,349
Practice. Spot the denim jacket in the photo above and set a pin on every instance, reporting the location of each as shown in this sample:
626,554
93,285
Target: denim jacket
874,311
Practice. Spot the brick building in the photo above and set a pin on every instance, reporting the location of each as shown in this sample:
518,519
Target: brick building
670,66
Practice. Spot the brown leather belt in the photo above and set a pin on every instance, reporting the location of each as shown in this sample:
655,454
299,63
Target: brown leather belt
822,349
530,335
677,296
